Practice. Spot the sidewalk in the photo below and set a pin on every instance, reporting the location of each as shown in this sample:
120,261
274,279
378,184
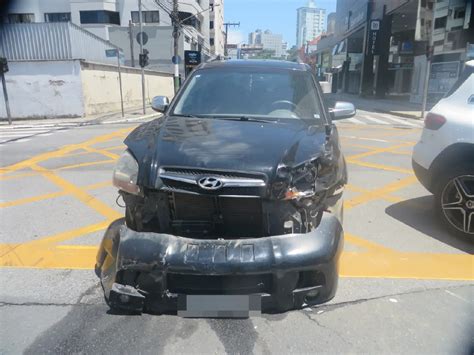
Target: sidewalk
131,115
391,106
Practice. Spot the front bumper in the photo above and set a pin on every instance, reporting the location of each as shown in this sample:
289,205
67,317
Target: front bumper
151,269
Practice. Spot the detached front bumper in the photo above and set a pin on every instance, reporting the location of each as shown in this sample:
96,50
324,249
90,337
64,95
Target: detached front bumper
146,271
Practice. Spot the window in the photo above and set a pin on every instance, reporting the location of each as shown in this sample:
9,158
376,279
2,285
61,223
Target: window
440,22
422,21
147,16
100,16
21,18
57,17
459,12
211,25
438,43
211,41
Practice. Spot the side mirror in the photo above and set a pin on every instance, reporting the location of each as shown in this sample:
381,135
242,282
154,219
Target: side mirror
343,110
160,103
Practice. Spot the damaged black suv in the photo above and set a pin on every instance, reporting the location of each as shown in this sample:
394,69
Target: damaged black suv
235,190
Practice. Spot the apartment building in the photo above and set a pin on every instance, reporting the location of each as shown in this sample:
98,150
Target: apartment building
310,23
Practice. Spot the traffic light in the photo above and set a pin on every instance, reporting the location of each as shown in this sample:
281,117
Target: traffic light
143,59
3,65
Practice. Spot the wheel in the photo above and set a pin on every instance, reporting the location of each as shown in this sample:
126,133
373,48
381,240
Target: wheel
454,201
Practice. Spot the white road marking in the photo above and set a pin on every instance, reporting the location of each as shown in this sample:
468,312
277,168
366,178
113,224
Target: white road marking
456,295
365,139
405,122
355,120
22,134
373,119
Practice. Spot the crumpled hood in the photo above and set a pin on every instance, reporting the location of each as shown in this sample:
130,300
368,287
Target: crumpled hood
222,145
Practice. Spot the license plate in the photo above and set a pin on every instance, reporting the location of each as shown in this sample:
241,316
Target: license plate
219,306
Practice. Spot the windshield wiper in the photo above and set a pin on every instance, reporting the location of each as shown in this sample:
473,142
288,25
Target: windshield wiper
187,115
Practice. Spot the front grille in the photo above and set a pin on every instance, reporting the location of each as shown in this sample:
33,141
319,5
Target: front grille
220,284
203,216
202,172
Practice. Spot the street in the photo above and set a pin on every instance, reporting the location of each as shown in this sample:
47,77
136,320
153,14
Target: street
406,285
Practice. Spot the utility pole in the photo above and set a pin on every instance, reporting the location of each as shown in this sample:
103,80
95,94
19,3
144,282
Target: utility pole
176,24
141,52
429,57
130,33
227,25
120,79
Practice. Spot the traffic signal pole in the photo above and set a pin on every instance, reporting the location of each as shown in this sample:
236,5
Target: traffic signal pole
141,52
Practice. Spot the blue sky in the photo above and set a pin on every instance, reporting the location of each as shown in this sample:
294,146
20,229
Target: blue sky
279,16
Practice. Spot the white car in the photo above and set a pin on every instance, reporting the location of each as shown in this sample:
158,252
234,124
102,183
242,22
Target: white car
443,159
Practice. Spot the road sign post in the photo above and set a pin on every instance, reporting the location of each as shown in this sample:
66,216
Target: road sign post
3,70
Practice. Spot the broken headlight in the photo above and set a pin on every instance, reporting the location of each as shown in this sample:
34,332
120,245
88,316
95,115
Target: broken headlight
301,179
126,174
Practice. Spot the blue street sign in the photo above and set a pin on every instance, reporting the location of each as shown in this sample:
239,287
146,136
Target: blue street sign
176,59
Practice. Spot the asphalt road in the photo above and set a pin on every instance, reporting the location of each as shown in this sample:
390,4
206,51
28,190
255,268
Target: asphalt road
406,285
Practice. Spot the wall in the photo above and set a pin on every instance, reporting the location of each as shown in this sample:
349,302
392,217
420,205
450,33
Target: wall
101,93
42,89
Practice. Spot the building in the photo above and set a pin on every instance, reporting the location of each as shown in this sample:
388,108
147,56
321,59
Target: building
117,21
380,47
216,26
268,40
310,23
331,23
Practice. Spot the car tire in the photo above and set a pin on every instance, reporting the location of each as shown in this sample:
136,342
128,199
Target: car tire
454,201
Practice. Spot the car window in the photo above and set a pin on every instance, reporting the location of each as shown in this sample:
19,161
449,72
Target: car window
272,94
468,71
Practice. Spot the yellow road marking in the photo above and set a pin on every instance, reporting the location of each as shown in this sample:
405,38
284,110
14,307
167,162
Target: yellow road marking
62,151
17,176
82,165
376,151
80,194
103,152
26,200
379,166
380,192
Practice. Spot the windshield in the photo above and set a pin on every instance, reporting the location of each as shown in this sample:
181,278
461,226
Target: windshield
250,93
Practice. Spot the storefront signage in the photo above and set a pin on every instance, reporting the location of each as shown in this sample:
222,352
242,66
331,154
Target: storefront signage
372,45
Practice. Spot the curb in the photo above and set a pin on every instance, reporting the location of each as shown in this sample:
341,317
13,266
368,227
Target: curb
399,114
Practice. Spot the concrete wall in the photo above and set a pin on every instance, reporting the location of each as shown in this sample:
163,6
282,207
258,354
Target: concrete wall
42,89
101,92
48,89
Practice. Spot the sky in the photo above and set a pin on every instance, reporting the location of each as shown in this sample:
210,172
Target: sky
278,16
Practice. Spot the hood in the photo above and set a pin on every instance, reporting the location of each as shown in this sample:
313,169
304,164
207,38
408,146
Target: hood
222,145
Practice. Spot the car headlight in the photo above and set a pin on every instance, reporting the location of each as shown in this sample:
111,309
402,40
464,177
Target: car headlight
301,179
126,174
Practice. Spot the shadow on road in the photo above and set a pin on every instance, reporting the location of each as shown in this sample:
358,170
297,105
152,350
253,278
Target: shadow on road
419,214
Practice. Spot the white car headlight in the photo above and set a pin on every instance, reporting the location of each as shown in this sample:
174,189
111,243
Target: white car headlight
126,174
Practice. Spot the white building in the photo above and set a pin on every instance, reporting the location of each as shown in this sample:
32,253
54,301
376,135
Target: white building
216,26
268,40
97,16
310,23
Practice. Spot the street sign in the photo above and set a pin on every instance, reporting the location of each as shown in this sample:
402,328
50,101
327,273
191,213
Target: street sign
145,38
192,58
176,59
111,53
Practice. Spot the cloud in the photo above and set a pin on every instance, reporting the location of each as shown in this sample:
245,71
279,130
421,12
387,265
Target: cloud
235,37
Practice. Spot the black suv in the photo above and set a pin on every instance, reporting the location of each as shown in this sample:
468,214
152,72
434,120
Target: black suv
235,190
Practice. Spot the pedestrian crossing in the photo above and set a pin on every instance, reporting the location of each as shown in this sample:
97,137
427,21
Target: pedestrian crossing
24,133
376,118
